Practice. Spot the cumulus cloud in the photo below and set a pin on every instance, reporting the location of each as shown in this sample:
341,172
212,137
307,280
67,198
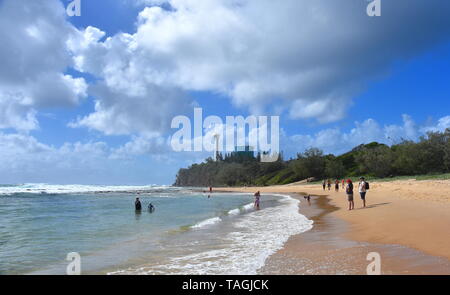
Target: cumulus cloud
304,55
22,154
442,125
334,140
33,59
299,55
142,145
24,158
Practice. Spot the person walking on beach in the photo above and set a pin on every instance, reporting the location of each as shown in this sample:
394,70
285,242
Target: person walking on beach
336,185
257,199
343,183
349,191
324,184
138,205
329,184
362,190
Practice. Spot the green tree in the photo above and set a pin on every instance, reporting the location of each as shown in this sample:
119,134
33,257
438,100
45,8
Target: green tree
334,168
375,161
311,163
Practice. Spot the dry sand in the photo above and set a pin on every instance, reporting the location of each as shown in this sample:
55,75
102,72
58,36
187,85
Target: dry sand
407,221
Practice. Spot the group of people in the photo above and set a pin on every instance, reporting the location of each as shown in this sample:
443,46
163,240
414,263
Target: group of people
363,186
138,206
328,183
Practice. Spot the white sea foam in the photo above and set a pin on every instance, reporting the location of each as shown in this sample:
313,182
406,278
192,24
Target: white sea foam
255,236
207,222
42,188
243,209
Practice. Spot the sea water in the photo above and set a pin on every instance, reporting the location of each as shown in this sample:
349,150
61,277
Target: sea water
190,232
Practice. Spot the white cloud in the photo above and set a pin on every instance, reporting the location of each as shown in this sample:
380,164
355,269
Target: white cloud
25,159
443,124
154,146
309,57
23,154
33,58
336,141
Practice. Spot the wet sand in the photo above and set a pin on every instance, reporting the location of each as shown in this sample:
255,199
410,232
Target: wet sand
407,222
324,250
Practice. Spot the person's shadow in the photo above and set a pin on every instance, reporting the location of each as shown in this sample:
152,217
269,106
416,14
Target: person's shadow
375,205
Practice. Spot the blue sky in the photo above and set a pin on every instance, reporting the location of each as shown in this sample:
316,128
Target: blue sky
89,99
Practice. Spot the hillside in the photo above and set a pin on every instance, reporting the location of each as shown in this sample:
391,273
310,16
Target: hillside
430,155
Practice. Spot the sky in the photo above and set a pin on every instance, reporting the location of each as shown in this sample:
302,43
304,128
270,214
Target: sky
89,99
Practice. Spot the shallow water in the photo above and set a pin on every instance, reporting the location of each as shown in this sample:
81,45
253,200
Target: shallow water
187,233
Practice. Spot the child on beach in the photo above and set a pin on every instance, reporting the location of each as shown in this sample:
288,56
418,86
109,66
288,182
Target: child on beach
349,191
257,197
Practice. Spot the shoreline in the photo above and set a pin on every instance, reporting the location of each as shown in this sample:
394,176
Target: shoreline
340,239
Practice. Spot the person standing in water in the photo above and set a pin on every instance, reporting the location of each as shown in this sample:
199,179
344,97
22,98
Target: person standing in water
257,199
349,191
137,205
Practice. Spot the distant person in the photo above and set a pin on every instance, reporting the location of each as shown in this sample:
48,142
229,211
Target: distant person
349,191
257,199
151,208
336,185
363,189
343,183
329,184
324,184
210,189
138,205
308,198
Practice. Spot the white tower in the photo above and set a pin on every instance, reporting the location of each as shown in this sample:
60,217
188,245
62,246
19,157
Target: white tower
216,137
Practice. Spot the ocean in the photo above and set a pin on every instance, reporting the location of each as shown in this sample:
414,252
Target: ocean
190,232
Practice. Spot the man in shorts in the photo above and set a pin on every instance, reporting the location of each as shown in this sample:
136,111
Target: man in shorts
362,190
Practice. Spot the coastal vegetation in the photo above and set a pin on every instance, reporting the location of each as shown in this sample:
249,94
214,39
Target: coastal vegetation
429,156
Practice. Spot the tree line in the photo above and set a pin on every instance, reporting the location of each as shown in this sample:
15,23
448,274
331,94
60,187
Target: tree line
429,155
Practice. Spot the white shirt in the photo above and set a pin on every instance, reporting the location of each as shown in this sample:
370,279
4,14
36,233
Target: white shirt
362,187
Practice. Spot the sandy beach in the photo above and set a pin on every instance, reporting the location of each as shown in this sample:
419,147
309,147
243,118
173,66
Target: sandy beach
407,222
